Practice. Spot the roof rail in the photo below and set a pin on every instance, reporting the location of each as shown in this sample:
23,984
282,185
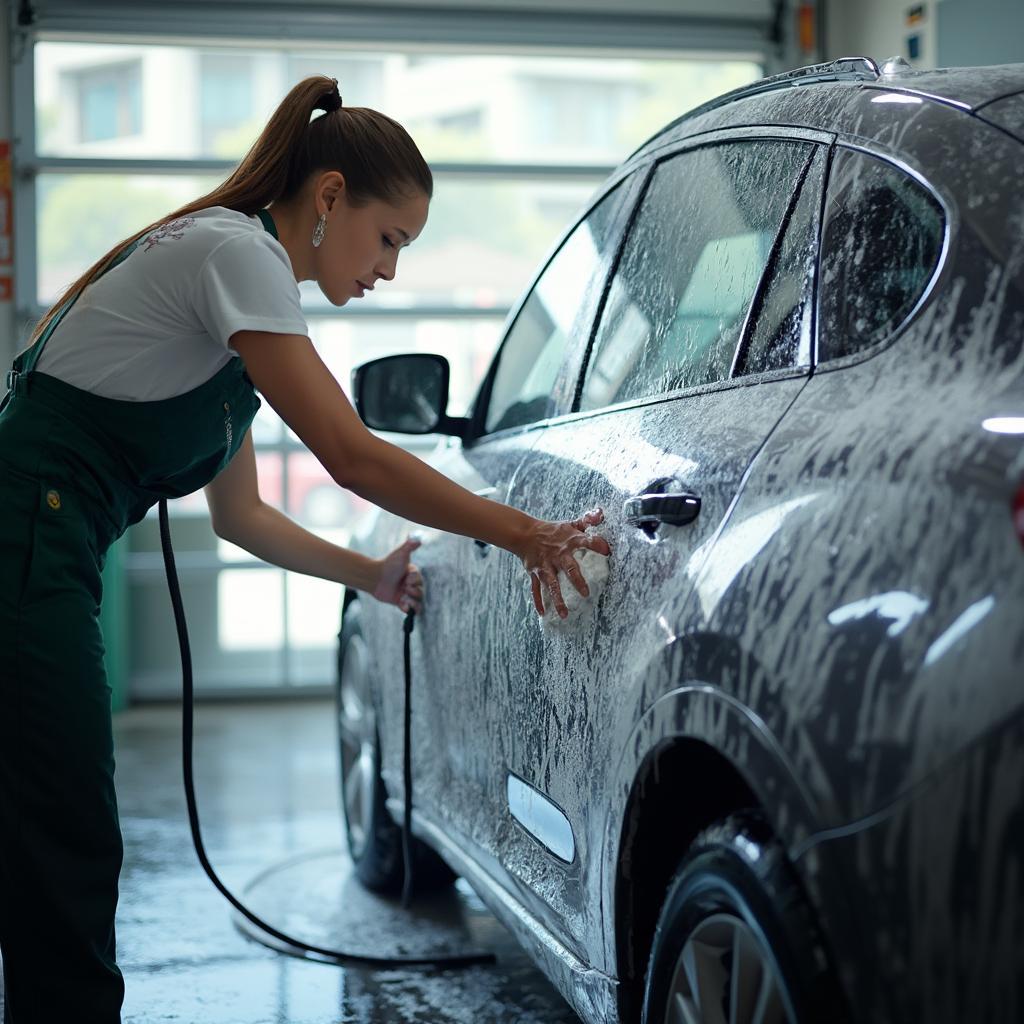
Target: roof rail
845,69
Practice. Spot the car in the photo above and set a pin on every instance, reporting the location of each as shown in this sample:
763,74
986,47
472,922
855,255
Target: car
773,771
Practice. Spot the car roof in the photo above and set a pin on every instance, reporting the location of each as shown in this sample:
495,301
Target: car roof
968,89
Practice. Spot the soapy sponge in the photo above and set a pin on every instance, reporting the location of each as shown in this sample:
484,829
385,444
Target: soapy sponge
594,567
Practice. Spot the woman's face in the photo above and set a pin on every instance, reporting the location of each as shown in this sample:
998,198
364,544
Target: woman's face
361,244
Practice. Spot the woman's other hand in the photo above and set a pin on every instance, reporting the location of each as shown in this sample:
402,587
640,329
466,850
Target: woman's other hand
549,548
400,581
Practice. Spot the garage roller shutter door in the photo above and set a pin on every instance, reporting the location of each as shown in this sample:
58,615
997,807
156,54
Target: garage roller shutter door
734,26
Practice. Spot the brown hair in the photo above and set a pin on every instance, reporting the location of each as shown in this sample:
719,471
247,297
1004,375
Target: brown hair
376,155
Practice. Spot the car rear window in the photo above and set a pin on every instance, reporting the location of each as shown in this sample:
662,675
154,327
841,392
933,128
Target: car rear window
881,243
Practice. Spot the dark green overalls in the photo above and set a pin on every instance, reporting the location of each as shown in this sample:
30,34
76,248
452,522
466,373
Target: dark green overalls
76,470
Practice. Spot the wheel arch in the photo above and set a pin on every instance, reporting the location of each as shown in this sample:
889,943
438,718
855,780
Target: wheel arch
696,732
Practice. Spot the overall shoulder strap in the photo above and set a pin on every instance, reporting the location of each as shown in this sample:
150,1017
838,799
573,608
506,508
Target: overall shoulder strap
31,356
268,222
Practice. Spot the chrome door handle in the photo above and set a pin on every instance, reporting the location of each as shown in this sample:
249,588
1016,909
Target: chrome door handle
650,510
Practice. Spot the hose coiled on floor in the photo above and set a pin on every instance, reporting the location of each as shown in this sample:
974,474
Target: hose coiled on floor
301,949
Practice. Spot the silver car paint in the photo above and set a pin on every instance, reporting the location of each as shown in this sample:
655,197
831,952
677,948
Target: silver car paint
792,629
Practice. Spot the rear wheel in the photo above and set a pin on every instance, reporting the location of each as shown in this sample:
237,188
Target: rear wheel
374,840
736,942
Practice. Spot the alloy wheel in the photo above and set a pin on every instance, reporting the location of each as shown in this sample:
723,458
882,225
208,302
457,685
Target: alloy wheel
357,732
725,975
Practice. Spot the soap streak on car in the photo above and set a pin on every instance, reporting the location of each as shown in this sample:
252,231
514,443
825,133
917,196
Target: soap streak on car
798,305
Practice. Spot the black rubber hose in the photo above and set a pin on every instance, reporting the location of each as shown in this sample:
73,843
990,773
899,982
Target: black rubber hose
338,956
407,879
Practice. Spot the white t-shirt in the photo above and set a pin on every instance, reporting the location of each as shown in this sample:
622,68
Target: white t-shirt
158,324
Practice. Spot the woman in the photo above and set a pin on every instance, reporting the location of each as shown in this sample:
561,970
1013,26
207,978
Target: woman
140,384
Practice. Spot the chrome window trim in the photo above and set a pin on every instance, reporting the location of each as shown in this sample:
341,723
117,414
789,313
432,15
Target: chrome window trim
726,384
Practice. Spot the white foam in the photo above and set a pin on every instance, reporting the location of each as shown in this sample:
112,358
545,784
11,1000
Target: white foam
594,567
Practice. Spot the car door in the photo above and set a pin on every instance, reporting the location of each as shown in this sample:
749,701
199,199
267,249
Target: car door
456,782
703,343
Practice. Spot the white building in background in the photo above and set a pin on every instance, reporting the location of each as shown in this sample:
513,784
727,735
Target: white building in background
485,235
161,101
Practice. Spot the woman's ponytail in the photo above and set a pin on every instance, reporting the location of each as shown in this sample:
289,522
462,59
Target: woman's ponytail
375,154
264,172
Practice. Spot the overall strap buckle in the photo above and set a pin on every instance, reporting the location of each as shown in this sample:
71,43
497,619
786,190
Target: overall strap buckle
13,378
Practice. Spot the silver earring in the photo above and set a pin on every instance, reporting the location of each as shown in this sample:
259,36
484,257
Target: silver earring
318,231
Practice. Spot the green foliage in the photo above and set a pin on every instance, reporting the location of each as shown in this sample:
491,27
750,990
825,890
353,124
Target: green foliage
81,217
673,89
234,143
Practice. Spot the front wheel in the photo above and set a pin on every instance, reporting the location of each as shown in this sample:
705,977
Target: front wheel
736,942
374,840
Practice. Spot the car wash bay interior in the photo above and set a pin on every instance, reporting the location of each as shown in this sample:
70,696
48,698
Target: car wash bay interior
112,114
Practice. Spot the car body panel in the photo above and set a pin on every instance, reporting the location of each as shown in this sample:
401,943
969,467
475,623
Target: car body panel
1007,113
576,689
446,716
842,622
937,877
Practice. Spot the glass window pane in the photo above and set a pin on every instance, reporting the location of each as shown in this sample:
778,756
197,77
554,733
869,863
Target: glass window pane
881,241
479,249
780,333
481,245
689,269
266,428
560,304
314,613
226,97
81,216
317,502
207,101
467,344
250,609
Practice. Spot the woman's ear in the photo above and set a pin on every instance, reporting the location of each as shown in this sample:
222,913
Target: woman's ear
330,186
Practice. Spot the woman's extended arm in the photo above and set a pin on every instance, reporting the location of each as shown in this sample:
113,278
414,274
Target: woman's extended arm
290,374
240,516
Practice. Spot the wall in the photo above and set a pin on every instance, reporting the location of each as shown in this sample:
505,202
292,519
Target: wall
952,32
879,29
980,32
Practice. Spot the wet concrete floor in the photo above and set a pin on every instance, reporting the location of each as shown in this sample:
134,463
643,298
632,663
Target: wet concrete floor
267,790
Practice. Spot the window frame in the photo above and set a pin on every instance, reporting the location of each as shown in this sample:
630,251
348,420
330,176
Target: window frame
941,264
666,152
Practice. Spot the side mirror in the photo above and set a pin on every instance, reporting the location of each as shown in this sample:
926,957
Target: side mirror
406,395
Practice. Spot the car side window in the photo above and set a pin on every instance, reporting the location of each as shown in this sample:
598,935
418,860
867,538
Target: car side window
689,269
559,304
881,242
779,325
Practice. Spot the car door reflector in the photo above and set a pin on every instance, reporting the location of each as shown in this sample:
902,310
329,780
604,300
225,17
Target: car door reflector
541,818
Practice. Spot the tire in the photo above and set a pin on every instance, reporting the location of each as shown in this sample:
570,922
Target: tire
374,840
736,942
